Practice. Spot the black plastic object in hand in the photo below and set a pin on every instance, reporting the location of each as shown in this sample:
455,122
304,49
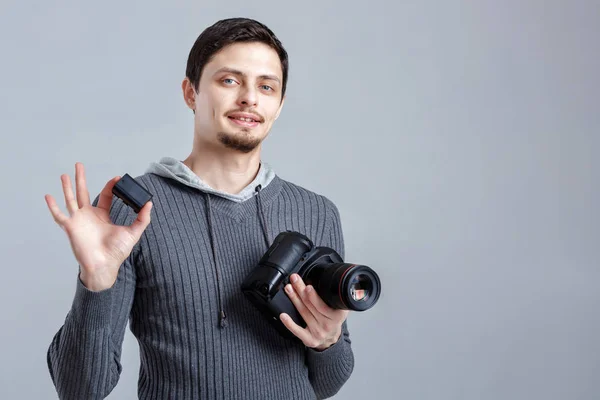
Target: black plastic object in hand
132,193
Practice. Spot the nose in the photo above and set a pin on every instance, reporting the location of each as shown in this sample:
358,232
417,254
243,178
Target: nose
247,97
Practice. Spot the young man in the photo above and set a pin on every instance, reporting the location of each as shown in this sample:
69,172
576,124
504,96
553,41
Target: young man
177,279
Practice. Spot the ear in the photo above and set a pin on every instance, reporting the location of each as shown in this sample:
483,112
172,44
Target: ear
280,107
189,93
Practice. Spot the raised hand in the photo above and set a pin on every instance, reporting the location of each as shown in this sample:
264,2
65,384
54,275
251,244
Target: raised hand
99,245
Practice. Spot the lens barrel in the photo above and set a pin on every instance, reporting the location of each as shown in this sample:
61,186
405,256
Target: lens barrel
345,286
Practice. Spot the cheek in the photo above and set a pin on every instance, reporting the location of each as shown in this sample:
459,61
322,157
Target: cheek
212,106
221,103
273,108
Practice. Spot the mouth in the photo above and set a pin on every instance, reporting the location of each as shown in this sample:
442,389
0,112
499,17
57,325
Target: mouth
244,121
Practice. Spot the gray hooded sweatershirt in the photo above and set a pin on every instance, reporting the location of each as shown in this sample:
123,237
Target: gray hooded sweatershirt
179,291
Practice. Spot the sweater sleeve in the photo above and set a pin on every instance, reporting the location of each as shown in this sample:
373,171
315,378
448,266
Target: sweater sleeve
331,368
84,355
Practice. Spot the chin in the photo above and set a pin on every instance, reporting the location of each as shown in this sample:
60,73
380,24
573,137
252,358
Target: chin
243,141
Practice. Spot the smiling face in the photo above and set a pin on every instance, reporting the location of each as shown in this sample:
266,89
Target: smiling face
238,96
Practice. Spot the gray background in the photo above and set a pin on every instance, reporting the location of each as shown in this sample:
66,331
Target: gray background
459,141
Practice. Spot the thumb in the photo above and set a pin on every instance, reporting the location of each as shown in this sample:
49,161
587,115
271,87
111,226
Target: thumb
141,222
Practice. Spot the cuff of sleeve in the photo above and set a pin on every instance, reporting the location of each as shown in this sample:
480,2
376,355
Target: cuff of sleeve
331,354
330,368
91,309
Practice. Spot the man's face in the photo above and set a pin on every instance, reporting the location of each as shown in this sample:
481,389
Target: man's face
239,96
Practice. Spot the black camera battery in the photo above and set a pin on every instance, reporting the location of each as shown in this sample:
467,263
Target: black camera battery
132,193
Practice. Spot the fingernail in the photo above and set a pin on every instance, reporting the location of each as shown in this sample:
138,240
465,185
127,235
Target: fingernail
308,289
288,288
294,278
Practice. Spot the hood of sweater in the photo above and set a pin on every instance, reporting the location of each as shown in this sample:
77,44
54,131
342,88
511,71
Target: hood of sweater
172,168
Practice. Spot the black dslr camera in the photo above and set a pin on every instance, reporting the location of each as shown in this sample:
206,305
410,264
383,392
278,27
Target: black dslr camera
341,285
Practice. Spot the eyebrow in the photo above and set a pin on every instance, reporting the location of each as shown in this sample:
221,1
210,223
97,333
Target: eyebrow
240,73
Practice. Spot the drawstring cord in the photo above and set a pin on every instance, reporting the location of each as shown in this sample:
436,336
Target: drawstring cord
222,316
262,216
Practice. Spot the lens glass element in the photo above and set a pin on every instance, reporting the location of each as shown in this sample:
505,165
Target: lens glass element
360,287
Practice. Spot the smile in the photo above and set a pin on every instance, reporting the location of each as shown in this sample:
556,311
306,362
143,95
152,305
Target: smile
246,122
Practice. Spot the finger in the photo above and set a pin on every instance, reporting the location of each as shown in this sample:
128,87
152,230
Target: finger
314,300
301,333
142,221
106,196
68,192
319,316
298,283
58,215
306,314
83,196
300,288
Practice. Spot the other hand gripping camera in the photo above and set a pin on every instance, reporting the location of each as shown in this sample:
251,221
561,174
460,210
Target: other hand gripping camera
341,285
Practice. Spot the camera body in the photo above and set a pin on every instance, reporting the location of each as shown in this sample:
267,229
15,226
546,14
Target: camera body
340,285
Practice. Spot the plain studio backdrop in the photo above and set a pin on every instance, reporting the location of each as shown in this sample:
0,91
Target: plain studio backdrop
458,139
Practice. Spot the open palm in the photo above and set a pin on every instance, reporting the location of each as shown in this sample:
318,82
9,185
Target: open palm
99,245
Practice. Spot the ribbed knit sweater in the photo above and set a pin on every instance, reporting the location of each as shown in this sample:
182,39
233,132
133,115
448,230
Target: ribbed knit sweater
187,267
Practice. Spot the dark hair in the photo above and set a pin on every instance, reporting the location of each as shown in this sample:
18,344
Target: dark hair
229,31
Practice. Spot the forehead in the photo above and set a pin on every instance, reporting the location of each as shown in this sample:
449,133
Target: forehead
252,58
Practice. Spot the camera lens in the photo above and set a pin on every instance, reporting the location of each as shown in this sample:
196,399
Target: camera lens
361,287
346,286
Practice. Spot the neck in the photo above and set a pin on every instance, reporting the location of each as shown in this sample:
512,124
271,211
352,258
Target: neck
222,169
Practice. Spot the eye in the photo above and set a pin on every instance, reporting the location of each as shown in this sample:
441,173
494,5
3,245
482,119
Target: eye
228,81
267,87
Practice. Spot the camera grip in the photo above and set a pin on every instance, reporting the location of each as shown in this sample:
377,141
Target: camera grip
281,303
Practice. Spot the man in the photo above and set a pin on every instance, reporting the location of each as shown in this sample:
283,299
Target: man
177,279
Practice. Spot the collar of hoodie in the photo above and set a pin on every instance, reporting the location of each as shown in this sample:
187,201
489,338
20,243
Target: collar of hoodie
170,167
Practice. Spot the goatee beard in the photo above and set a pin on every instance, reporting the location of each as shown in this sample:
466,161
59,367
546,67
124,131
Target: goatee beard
241,143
